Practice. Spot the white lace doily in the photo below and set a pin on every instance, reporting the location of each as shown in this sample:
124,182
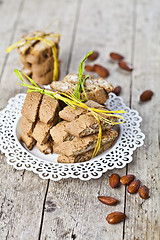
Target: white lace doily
130,137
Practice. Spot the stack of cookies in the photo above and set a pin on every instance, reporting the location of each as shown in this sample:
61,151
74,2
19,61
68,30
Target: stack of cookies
96,89
37,57
39,115
76,136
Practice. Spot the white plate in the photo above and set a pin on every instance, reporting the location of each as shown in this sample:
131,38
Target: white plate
130,137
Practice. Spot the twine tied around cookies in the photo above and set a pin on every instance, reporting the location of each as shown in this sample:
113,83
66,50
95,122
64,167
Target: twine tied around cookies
26,41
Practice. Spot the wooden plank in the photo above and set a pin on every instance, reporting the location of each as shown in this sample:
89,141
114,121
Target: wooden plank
72,210
143,215
8,26
23,192
21,201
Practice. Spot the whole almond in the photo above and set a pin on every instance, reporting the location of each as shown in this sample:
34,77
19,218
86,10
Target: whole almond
133,186
144,192
146,95
102,71
127,179
117,90
115,217
114,180
126,66
90,68
116,56
108,200
93,56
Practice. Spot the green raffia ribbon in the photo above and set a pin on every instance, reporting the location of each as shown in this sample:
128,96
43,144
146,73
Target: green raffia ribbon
74,102
80,85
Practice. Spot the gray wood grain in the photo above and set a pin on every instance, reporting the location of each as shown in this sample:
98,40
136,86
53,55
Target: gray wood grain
31,208
143,215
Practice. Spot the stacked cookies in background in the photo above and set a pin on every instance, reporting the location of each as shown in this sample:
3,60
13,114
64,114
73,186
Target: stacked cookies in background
76,136
37,57
39,115
96,89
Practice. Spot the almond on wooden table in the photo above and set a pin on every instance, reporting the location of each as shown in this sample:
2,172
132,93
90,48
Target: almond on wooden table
102,71
108,200
115,217
117,90
127,179
125,65
114,180
146,95
90,68
144,192
116,56
93,56
134,186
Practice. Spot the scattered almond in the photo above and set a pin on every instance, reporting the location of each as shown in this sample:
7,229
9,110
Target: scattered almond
146,95
93,56
126,66
133,186
144,192
114,180
117,90
115,217
116,56
108,200
127,179
90,68
102,71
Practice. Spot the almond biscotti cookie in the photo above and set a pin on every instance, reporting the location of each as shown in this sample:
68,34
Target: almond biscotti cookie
31,105
59,134
48,109
29,141
82,145
83,157
87,124
26,126
46,148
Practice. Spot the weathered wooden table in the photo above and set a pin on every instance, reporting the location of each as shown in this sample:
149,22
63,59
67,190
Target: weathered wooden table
32,208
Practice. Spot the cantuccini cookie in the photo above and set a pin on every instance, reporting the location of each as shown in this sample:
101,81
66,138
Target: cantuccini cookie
83,157
26,126
29,141
31,105
87,124
82,145
48,109
46,148
59,134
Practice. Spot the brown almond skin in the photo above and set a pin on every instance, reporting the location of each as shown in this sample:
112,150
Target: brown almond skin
93,56
127,179
89,68
102,71
116,56
126,66
114,180
117,90
133,186
115,217
144,192
108,200
146,95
